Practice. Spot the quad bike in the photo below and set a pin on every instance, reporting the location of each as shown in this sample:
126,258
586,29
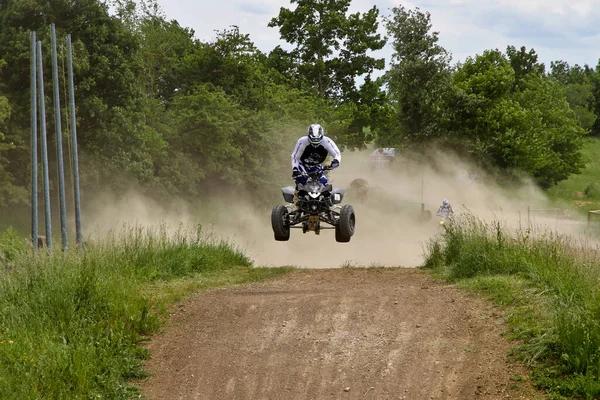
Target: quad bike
445,219
316,204
361,189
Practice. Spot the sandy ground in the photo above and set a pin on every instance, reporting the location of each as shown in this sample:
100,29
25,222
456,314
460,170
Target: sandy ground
385,333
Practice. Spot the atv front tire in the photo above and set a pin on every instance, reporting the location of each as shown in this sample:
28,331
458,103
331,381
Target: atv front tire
344,229
280,223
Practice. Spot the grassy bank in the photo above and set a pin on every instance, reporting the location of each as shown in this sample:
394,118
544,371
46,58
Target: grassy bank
549,287
71,324
582,190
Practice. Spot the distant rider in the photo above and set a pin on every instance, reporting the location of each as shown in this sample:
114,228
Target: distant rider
310,153
445,209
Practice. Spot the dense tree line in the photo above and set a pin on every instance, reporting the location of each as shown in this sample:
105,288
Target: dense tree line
502,110
173,115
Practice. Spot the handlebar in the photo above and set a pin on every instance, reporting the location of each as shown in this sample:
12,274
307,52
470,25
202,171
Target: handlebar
318,171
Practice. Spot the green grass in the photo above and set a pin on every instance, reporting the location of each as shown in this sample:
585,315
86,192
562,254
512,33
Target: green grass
549,287
582,190
71,323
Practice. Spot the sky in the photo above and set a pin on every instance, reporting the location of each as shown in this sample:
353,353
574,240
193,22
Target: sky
557,29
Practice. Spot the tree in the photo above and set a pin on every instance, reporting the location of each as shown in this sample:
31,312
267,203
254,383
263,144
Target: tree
579,87
531,129
330,45
523,62
218,142
164,47
418,79
331,50
548,109
482,109
578,83
9,192
594,77
114,141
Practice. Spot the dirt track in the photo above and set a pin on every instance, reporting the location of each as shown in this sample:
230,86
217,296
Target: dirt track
339,333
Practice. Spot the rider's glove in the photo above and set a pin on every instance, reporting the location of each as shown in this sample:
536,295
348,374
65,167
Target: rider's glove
296,173
334,164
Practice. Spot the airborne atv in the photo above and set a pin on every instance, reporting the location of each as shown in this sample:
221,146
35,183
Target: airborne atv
316,204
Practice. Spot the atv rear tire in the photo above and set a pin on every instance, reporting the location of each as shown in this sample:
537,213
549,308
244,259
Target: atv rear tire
344,229
280,224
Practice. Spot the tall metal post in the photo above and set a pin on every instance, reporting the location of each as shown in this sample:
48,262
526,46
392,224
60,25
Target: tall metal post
422,185
422,190
589,217
44,145
74,144
59,149
34,176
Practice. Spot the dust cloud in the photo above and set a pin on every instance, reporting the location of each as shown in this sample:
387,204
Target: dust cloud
389,230
107,212
389,227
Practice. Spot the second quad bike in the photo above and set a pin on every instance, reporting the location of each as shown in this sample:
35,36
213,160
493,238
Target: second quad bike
445,219
316,204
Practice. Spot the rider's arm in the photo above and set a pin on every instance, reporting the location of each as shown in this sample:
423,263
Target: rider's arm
298,150
333,150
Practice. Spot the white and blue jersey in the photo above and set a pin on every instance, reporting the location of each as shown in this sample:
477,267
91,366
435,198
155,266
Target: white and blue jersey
445,210
305,154
308,158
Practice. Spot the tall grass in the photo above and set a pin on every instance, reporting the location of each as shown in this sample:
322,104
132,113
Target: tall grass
552,284
71,323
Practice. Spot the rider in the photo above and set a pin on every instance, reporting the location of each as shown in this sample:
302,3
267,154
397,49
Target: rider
310,152
445,208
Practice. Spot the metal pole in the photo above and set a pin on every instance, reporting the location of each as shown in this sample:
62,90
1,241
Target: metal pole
422,189
422,184
59,149
34,177
589,215
74,144
44,146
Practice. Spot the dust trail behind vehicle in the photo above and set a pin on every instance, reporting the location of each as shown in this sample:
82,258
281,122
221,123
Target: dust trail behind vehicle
389,231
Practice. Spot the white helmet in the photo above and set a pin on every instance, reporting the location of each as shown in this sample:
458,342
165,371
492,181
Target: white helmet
445,202
315,134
